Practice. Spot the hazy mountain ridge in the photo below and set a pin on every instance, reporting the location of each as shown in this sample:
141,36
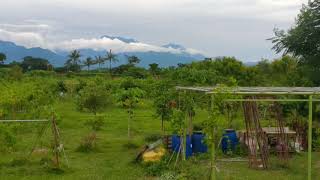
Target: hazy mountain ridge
57,58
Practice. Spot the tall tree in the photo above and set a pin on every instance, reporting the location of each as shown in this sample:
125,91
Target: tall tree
129,96
154,69
3,57
303,39
99,60
73,60
88,62
111,57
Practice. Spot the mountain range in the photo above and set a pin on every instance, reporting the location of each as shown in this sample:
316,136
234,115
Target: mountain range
175,53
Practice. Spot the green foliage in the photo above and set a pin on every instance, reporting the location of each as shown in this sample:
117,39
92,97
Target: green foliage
96,123
88,143
72,64
8,139
163,95
133,60
88,62
31,63
112,58
302,39
178,121
16,73
155,168
93,98
3,57
154,69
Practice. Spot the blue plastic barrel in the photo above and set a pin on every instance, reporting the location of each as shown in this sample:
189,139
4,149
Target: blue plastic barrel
229,140
198,145
176,145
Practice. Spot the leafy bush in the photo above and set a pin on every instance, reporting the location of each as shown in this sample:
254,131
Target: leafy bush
96,123
93,98
155,168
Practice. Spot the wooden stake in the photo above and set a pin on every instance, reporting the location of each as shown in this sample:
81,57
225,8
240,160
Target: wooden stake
56,141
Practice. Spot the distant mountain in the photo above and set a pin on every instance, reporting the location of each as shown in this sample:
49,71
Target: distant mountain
17,53
163,58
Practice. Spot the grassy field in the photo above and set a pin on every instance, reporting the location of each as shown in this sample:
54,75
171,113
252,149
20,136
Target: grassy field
113,160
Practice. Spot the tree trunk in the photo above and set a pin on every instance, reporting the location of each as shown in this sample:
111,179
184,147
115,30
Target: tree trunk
129,124
110,68
129,119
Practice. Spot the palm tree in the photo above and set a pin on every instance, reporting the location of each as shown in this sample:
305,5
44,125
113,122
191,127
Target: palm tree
111,58
74,59
3,57
99,60
88,62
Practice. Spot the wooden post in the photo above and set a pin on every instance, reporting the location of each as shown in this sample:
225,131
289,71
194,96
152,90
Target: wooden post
310,138
213,148
55,141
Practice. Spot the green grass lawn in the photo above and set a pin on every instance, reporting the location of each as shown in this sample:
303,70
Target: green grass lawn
113,160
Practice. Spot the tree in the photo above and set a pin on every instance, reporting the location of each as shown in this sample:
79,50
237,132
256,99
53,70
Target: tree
88,62
99,60
111,58
303,39
129,97
31,63
133,60
93,98
162,97
73,62
3,57
154,69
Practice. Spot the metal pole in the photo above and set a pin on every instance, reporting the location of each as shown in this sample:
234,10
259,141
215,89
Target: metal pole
310,137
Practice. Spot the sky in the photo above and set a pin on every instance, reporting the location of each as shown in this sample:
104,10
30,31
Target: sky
237,28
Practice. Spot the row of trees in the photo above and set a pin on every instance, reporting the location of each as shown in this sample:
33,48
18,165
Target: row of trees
74,62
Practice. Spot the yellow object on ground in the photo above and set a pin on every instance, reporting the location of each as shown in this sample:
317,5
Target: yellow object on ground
154,155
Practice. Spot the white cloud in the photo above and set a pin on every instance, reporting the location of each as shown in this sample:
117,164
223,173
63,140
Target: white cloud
27,39
36,39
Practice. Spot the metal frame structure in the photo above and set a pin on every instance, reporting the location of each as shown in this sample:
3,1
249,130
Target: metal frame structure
307,91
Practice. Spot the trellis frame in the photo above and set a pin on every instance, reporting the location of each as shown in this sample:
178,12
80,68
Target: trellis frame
307,91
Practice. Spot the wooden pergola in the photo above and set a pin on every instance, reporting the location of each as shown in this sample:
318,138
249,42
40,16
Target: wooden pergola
265,91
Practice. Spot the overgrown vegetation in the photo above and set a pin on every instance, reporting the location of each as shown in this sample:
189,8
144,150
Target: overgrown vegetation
113,113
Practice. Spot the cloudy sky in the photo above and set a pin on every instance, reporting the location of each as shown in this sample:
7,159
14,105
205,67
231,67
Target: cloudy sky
214,27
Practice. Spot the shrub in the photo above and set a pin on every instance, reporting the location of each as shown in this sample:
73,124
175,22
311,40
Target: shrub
88,143
93,98
96,123
155,168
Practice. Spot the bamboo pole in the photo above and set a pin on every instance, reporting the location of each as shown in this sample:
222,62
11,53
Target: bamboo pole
56,141
213,150
310,138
